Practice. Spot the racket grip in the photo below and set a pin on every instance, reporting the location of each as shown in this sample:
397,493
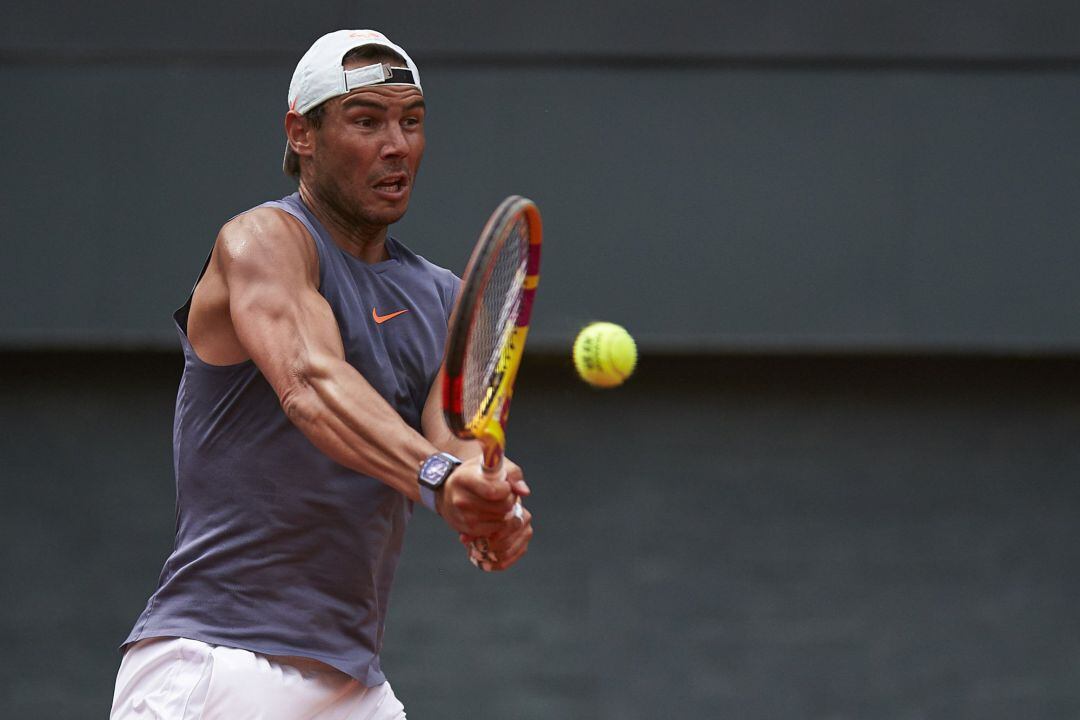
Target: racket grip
479,552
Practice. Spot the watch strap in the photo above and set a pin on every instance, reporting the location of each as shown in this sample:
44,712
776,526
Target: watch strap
427,498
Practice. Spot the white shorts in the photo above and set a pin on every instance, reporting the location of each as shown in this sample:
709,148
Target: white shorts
181,679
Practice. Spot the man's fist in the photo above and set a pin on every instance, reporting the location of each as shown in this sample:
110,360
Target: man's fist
477,503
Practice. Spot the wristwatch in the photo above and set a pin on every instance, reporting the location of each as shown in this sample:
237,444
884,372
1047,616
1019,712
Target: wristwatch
433,474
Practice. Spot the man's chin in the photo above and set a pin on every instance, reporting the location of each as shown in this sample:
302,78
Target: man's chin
389,217
388,212
364,207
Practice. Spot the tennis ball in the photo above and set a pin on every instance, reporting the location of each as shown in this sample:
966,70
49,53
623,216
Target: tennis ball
604,354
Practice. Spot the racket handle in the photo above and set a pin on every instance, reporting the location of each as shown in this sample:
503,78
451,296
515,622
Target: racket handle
479,553
493,456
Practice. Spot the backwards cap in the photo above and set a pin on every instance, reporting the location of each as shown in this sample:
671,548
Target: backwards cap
319,76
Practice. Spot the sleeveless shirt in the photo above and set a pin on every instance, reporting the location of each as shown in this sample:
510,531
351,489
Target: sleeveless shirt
279,549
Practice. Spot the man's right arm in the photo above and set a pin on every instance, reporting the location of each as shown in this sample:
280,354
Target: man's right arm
269,266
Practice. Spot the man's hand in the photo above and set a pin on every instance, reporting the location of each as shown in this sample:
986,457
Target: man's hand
516,477
504,547
475,503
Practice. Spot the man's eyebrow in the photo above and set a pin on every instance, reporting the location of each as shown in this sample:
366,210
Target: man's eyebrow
361,102
356,101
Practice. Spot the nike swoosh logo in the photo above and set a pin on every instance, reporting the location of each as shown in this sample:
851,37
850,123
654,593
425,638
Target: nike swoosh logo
380,319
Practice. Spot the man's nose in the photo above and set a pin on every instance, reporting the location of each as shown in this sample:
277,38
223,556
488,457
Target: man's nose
395,144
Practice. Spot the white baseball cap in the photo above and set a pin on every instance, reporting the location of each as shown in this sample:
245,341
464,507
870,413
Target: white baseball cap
319,76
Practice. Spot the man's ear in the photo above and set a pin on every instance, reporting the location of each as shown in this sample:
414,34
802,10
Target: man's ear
300,133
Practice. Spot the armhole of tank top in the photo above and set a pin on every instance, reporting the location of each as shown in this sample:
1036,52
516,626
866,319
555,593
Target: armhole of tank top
455,290
181,318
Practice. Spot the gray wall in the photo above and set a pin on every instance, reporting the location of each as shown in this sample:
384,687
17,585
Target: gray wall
842,484
718,177
755,538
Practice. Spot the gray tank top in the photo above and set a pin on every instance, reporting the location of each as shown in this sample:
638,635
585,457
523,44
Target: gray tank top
279,549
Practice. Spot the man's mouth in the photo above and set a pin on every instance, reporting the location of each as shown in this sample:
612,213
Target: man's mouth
392,184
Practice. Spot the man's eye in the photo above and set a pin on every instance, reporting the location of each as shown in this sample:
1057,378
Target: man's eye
365,122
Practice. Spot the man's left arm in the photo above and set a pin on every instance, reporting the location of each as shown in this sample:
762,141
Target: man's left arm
512,540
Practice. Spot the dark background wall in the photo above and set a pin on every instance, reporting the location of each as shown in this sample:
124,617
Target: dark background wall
842,484
752,175
726,537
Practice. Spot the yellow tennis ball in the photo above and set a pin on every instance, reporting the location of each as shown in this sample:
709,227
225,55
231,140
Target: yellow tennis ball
604,354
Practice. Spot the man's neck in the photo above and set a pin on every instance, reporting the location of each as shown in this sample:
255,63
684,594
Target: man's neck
361,240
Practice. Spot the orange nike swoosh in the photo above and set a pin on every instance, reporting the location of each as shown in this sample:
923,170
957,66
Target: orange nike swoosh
380,319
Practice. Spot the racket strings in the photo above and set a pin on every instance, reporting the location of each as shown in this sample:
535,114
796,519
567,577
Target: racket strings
496,318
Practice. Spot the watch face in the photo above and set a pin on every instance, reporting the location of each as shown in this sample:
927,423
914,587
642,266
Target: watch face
435,469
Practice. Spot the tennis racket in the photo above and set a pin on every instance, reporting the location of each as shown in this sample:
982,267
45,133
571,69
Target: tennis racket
487,335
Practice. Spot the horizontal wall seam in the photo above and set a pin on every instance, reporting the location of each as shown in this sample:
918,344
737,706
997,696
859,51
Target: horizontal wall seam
52,56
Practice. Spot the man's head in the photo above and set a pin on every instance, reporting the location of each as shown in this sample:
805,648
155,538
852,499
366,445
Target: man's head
355,125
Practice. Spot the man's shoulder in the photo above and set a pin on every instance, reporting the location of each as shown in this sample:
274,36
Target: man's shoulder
264,234
261,220
264,223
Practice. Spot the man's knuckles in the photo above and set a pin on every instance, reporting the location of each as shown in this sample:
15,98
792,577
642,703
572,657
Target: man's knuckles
481,485
476,507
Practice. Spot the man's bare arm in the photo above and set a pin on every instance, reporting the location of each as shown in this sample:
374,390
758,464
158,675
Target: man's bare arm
270,268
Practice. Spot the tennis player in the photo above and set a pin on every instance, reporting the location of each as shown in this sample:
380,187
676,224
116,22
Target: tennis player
308,423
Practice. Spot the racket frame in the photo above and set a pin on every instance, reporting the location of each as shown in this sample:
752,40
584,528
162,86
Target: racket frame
489,424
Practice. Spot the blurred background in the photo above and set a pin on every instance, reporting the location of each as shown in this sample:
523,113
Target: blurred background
842,483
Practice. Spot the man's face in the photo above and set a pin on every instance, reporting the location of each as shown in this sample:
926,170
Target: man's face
368,150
